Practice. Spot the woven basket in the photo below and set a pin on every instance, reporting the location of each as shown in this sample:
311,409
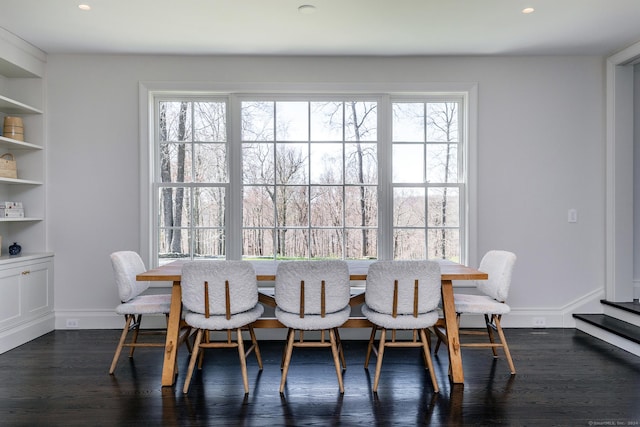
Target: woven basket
13,128
8,166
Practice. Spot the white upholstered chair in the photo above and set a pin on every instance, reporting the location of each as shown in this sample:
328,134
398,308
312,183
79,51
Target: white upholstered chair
221,296
491,303
313,296
402,295
126,266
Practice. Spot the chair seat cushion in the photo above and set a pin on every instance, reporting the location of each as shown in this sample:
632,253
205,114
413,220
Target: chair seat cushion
313,322
402,321
479,304
146,304
220,322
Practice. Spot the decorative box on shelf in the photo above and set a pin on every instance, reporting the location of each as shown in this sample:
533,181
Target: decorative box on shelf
11,210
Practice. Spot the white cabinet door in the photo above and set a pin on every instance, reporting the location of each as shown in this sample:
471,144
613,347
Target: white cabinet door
26,290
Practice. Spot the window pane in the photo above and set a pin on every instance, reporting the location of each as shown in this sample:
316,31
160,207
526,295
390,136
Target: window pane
444,207
361,244
175,163
208,207
173,243
326,206
292,244
326,243
361,206
173,209
211,163
292,121
292,206
209,243
408,163
442,122
258,208
442,163
258,121
210,121
326,121
257,243
326,163
444,244
257,164
408,122
361,163
409,244
408,207
292,164
175,121
362,121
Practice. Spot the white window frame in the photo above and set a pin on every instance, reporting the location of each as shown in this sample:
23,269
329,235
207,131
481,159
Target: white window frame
468,91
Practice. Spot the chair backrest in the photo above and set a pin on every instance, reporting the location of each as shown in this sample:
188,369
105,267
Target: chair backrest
126,266
242,290
290,274
499,266
409,298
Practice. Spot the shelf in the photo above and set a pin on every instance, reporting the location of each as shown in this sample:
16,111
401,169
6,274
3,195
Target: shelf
10,106
25,219
19,181
14,144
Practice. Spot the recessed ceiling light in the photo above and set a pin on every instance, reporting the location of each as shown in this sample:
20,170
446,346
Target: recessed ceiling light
84,7
528,10
307,9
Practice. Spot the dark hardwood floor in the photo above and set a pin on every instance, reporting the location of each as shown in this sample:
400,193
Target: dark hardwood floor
565,378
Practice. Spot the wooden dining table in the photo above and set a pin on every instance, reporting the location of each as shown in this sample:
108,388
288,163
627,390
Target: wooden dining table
266,272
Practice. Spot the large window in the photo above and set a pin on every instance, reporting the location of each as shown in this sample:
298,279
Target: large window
427,181
310,179
348,177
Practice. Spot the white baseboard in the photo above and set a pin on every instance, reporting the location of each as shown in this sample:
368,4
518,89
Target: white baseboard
23,333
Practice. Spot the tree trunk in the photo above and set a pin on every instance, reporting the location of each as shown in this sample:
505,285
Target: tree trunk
176,242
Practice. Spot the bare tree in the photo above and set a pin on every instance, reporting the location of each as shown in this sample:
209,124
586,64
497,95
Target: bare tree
445,120
176,238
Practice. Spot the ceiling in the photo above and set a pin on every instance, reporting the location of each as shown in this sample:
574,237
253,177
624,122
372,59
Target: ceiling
337,27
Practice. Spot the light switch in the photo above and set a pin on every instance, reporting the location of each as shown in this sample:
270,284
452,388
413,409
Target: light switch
572,215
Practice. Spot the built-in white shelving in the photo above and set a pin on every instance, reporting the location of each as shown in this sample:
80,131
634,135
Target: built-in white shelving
26,280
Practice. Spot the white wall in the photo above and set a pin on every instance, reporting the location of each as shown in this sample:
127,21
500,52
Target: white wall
541,151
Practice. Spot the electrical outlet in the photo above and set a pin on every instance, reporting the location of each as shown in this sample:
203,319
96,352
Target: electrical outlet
539,322
73,323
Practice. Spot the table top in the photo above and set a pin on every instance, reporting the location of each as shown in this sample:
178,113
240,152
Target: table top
265,271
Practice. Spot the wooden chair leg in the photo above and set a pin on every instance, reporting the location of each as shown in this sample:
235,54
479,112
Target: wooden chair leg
136,331
376,379
505,347
426,347
336,358
284,350
370,346
243,360
340,349
287,359
123,337
256,347
205,339
192,361
489,322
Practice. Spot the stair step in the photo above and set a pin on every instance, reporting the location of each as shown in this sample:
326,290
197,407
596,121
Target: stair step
612,325
631,307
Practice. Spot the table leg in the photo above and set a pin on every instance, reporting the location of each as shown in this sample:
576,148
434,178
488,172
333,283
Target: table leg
173,335
453,339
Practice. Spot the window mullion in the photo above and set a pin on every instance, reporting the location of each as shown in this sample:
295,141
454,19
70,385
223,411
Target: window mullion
385,189
233,221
